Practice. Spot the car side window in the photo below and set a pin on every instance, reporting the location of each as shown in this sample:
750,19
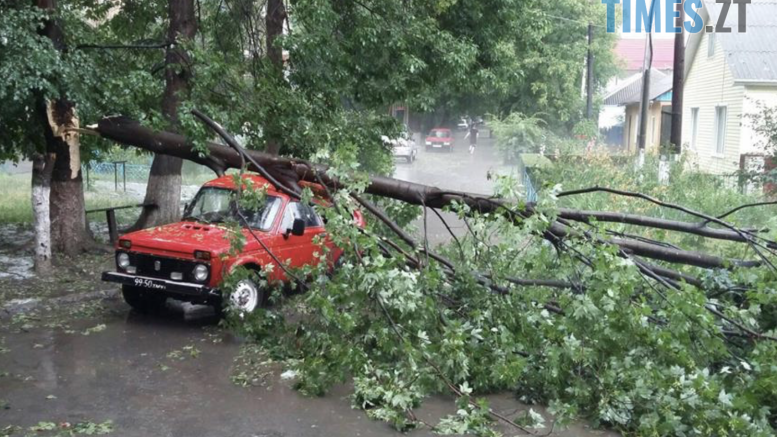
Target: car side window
297,210
264,217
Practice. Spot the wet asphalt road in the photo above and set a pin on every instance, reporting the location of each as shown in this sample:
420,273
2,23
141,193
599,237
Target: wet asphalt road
138,371
458,170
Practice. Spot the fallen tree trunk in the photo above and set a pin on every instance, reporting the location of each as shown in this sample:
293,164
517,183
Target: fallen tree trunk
289,171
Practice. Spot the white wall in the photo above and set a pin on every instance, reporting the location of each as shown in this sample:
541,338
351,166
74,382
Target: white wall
766,95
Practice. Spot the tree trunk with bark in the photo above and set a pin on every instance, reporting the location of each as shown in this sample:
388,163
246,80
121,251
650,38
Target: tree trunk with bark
286,172
58,117
274,19
42,168
164,181
69,234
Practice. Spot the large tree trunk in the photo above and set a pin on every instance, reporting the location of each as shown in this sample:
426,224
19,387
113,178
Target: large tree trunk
69,234
288,172
164,181
274,19
42,167
68,220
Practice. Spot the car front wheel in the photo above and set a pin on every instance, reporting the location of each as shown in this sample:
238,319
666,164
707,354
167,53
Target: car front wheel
142,300
246,297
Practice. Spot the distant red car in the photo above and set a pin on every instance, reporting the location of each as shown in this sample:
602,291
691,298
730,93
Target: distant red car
188,260
440,138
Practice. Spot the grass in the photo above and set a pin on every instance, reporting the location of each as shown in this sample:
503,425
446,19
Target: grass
16,205
709,194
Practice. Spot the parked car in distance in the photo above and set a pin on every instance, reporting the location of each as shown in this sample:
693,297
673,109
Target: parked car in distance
403,146
440,138
190,259
463,124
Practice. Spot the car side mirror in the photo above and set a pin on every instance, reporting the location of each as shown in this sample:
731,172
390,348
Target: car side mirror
298,227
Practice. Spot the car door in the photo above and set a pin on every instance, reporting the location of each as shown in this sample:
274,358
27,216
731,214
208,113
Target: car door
299,249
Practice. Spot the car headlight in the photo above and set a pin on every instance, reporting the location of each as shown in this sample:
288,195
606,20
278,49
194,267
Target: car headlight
200,272
446,144
428,143
122,260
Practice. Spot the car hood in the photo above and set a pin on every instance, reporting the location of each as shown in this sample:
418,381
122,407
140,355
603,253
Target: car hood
438,139
182,237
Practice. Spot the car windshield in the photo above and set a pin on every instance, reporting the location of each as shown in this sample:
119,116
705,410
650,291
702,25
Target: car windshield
218,205
439,134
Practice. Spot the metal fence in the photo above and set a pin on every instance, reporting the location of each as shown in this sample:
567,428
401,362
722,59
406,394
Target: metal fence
119,172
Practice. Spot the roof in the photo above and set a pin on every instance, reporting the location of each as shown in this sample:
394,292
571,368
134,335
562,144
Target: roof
751,55
258,182
633,52
631,92
228,181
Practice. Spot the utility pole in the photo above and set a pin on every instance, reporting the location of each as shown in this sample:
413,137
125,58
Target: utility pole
678,78
645,100
589,85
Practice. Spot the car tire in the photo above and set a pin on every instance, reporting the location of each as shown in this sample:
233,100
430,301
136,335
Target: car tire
142,300
409,159
247,297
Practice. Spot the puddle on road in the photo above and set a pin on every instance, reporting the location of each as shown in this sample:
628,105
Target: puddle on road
166,375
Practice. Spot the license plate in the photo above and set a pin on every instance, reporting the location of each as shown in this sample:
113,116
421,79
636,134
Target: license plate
437,145
150,283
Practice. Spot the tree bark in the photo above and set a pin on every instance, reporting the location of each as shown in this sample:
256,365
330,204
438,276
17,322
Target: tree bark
58,117
289,171
42,168
164,181
274,19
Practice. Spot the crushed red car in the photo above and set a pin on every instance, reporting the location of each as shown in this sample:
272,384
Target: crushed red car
190,259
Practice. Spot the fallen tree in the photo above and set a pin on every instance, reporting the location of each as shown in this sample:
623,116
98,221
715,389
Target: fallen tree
288,171
581,328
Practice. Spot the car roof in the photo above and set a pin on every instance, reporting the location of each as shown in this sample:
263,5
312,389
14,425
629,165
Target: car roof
228,182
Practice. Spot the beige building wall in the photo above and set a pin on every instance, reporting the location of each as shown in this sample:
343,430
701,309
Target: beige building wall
709,84
631,127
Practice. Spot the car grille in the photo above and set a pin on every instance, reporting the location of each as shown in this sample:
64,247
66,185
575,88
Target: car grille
146,266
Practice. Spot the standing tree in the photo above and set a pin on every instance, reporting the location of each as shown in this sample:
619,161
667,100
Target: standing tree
164,180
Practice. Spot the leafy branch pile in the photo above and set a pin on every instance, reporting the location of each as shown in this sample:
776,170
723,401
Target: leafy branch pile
559,304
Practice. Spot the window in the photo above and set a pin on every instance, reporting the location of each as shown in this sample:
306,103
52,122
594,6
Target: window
710,45
297,210
218,205
694,126
720,129
264,217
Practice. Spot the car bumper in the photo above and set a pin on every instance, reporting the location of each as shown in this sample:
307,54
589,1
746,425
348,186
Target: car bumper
162,285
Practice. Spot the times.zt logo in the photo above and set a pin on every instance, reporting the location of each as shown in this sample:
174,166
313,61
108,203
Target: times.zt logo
648,15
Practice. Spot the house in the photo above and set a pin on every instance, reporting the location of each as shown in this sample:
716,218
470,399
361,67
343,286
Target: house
632,52
659,118
613,122
726,76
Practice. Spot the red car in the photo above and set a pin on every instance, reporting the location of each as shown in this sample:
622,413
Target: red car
189,260
440,138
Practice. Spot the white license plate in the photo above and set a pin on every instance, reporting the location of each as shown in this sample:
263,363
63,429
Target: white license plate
150,283
437,145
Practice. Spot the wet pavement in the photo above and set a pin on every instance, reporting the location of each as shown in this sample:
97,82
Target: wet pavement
456,170
171,374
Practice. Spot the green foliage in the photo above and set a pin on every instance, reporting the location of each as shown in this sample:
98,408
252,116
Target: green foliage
518,133
624,353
